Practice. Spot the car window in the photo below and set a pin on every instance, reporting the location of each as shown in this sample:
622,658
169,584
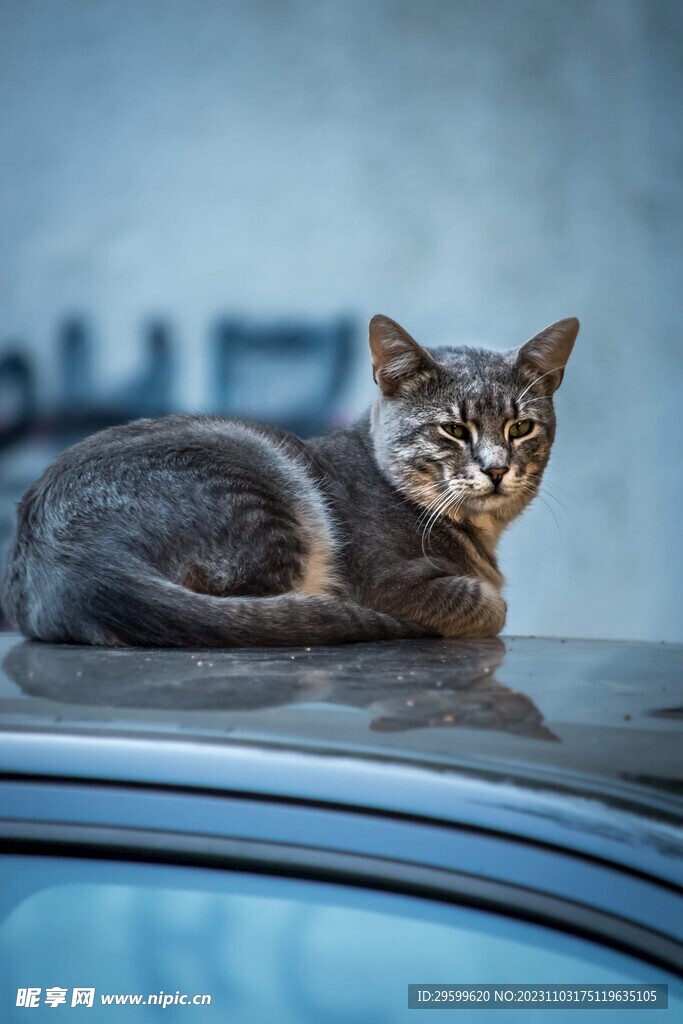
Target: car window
264,948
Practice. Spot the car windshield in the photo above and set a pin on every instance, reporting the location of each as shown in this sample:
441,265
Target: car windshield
211,945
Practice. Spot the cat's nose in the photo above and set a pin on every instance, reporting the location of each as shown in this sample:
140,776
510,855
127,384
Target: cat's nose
496,473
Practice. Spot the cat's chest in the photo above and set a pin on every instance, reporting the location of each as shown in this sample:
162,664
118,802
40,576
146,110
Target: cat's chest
381,539
377,530
478,560
385,534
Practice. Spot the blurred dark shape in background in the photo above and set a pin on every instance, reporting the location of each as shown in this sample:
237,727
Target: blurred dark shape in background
248,364
84,405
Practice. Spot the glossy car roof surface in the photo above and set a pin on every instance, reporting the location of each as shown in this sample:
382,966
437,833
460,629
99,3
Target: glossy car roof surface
557,738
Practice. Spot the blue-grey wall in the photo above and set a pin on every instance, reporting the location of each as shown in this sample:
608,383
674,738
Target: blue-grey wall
473,168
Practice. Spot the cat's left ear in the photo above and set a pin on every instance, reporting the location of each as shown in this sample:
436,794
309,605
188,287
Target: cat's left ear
546,354
397,359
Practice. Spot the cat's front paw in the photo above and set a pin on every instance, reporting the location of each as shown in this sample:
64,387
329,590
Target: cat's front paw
480,610
493,609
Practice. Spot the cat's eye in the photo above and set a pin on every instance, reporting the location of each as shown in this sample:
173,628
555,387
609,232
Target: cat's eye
520,428
457,430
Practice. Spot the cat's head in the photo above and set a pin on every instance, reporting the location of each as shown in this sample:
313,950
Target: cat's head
465,431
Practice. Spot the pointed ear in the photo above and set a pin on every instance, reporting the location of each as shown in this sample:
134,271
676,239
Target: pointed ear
545,355
396,357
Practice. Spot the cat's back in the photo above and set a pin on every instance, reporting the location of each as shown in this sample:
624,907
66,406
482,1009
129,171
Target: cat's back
164,494
199,443
153,460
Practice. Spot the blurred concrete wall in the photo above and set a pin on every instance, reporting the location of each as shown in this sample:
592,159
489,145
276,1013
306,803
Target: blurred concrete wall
474,168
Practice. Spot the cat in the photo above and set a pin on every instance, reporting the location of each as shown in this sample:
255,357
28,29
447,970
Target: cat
197,531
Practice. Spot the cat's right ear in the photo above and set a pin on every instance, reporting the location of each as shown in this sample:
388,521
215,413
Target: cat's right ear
397,359
545,355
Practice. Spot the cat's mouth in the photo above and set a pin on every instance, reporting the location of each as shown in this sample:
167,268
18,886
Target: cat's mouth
492,497
494,491
475,499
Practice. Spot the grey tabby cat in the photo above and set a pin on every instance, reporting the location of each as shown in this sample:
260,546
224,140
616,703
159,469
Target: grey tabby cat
203,532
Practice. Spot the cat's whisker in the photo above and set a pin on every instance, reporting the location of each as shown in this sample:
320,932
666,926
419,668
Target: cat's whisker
552,513
546,374
450,497
414,499
456,499
530,404
457,505
548,493
551,488
451,510
446,490
435,509
536,494
443,511
427,511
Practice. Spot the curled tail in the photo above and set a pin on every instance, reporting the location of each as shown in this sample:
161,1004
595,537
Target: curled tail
152,612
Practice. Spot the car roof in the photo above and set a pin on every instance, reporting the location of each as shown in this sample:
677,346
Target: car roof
604,714
577,743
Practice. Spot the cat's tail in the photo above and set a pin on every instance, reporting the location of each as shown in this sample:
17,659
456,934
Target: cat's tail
153,612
